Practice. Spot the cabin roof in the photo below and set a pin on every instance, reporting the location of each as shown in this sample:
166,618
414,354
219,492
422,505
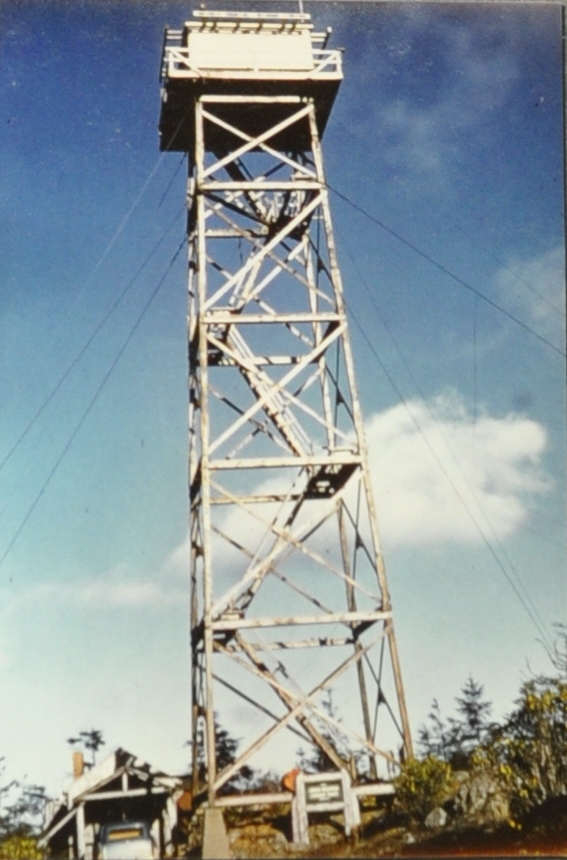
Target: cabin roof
121,777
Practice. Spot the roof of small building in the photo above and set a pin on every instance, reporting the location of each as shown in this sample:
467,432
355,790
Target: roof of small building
120,776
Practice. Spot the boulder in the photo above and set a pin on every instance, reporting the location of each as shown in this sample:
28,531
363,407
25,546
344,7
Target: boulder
437,818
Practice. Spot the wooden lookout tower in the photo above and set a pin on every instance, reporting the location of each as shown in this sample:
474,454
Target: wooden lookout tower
291,622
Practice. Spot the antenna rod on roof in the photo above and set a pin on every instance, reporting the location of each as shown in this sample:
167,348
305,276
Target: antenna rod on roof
300,6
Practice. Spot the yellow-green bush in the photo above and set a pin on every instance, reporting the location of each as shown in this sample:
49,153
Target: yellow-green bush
421,786
20,848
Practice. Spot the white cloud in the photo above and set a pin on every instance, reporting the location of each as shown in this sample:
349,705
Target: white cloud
466,78
536,287
426,138
96,594
176,565
116,594
118,588
435,471
439,475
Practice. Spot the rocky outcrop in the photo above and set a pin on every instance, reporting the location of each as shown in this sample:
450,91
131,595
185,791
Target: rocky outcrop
480,799
257,840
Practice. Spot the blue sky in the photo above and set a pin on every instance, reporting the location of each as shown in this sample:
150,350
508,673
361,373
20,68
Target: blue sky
447,129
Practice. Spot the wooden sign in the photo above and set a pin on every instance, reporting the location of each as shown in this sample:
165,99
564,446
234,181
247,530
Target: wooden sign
323,792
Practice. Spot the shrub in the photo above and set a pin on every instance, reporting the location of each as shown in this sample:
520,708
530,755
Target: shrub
530,749
421,786
20,848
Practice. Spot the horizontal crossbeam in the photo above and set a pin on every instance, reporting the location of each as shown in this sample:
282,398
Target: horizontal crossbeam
349,618
335,459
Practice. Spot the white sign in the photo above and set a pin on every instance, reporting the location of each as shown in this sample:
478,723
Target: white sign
323,792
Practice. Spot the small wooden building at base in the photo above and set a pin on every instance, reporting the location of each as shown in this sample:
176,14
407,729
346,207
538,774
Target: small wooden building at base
120,788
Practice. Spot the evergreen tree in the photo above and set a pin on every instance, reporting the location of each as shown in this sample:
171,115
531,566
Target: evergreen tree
90,740
475,712
226,749
316,760
21,808
453,740
436,738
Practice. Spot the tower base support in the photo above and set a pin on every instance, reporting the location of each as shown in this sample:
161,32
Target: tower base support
215,836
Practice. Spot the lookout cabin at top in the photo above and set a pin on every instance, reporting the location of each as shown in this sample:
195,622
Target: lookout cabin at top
260,65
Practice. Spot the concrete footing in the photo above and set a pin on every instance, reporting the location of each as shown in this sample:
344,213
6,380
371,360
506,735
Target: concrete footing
215,837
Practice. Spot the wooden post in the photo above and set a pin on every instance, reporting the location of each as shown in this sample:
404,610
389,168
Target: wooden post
81,831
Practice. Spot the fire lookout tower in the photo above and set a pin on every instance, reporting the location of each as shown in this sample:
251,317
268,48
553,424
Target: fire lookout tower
289,598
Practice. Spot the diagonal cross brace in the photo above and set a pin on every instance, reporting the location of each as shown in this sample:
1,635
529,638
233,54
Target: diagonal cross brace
285,542
252,142
302,702
259,257
261,384
307,359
